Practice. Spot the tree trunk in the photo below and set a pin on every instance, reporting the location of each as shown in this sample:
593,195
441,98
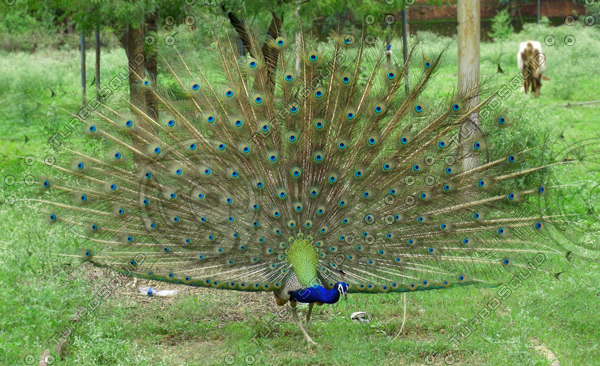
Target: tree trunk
97,58
151,65
468,75
132,40
270,55
82,49
405,47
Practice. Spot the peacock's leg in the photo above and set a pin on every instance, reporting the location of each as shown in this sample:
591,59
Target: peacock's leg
310,306
295,315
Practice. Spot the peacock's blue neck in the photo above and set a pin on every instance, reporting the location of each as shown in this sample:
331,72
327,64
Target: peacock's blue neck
316,294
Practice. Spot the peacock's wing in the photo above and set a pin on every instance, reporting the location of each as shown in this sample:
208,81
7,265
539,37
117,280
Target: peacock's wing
244,163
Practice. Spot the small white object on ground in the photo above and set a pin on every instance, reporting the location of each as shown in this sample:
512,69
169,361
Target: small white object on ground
152,292
360,316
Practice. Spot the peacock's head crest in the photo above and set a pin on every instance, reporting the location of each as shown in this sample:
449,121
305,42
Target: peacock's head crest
342,288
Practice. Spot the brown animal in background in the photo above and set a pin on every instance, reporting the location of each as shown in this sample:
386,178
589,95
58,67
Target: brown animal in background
532,63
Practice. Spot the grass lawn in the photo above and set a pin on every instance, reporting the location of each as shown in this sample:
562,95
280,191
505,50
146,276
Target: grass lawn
544,321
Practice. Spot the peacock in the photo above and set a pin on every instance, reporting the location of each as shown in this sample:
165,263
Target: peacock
306,171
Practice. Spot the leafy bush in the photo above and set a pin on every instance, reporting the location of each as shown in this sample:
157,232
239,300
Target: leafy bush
501,25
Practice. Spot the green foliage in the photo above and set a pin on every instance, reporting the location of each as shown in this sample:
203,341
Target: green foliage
501,25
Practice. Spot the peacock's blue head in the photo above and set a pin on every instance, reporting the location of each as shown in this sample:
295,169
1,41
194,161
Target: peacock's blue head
342,288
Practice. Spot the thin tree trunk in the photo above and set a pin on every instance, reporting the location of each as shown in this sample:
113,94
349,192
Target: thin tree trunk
405,47
82,49
468,75
97,58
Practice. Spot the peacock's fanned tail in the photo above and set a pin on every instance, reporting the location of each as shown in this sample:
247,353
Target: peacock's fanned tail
334,174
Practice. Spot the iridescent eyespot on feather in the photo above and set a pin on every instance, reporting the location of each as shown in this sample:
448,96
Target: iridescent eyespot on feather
313,56
477,145
245,149
465,241
319,94
195,86
258,100
541,189
319,125
371,141
427,64
447,187
411,241
229,93
358,173
511,158
342,203
448,170
192,147
391,75
46,184
341,145
332,178
455,107
117,155
461,278
318,156
113,187
481,183
147,175
501,231
416,167
501,121
207,171
92,128
539,225
292,137
348,39
314,192
346,79
418,108
511,196
289,77
349,115
441,144
80,166
264,128
296,172
252,63
171,123
403,140
378,109
476,215
238,123
128,123
386,167
280,41
210,119
506,262
157,150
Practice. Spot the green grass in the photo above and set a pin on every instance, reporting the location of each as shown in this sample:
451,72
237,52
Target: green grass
40,291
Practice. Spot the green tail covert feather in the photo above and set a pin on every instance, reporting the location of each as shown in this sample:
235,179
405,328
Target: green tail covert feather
264,176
